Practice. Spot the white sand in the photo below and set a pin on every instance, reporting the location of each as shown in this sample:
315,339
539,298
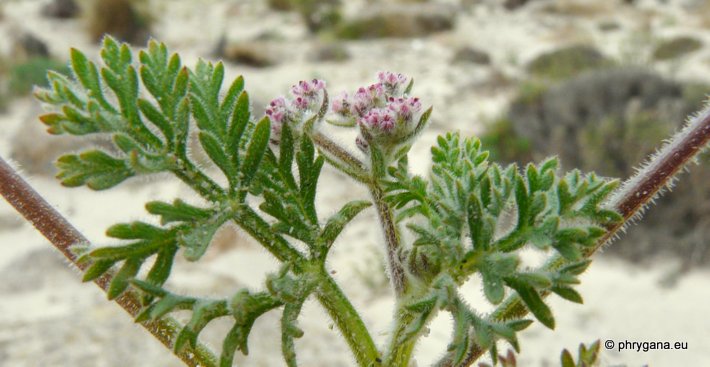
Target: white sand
48,318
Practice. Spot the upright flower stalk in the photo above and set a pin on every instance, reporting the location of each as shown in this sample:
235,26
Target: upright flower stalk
387,119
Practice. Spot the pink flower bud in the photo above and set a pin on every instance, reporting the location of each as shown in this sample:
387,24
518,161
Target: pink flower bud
405,108
379,121
368,98
308,89
393,82
300,103
278,110
341,104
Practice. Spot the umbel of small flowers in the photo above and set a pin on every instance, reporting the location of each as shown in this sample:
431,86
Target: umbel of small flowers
305,100
384,112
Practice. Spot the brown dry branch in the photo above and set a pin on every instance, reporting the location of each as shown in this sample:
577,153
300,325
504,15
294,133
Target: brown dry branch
62,235
630,201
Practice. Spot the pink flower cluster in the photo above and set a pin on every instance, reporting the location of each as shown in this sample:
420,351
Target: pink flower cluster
366,98
305,97
278,110
398,112
381,110
379,119
393,82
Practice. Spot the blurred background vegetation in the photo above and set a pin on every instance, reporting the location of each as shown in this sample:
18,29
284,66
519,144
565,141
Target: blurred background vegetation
597,111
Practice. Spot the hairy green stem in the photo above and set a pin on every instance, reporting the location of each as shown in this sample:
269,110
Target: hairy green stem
253,224
348,322
198,181
400,353
392,239
62,235
630,201
384,212
336,150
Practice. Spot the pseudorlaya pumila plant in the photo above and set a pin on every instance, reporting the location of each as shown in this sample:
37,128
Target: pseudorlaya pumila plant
469,217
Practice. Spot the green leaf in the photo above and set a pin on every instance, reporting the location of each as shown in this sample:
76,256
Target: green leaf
522,201
566,359
215,151
88,75
289,331
589,355
160,271
421,124
519,325
157,118
203,312
168,302
484,336
459,345
286,150
493,287
309,171
542,236
120,281
576,268
178,211
255,152
198,236
133,250
533,301
535,279
95,169
507,333
234,340
568,293
149,288
97,269
424,305
240,119
568,250
202,115
481,239
338,221
245,308
230,99
135,230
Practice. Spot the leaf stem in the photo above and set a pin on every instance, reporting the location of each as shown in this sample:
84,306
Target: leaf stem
348,322
392,239
630,200
400,353
337,151
200,182
385,213
62,235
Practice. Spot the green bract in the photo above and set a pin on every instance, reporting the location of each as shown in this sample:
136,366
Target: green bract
469,217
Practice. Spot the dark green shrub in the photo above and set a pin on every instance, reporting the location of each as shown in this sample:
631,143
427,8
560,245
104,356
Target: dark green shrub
567,62
22,77
607,121
673,48
504,144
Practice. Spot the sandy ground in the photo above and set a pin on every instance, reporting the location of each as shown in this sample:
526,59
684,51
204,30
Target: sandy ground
48,318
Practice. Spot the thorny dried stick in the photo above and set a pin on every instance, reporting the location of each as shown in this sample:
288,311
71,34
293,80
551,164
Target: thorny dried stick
53,226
